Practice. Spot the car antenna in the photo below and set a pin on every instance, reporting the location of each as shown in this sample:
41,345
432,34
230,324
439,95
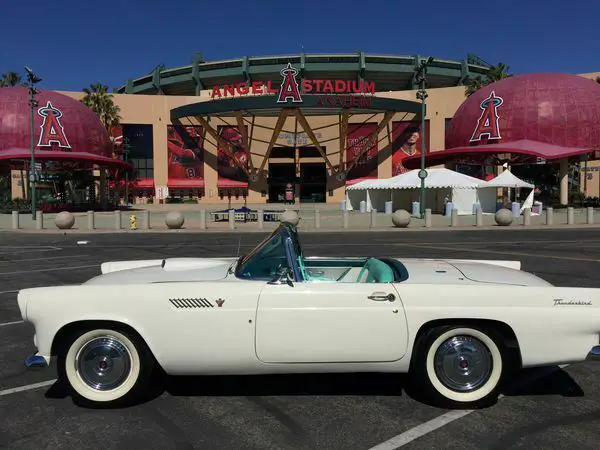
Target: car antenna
239,245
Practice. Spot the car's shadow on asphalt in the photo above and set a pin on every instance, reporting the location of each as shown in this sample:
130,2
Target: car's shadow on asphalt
543,381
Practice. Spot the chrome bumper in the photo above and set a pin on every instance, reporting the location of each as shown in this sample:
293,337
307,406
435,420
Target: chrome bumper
594,354
36,362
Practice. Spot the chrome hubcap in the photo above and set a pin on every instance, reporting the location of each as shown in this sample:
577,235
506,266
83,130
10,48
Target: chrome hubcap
463,363
103,363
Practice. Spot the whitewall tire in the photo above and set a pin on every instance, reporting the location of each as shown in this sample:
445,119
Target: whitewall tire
104,366
460,366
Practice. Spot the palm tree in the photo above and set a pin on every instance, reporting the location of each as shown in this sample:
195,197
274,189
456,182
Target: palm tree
10,79
496,73
101,102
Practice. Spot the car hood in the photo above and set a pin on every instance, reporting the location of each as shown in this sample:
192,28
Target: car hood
454,271
163,270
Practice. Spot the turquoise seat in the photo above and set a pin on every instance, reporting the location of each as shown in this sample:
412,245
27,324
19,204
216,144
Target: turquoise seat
377,272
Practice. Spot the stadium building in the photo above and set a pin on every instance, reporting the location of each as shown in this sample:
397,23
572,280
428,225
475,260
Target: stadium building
257,128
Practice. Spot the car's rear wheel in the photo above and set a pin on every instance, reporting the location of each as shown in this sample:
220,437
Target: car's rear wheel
105,367
460,366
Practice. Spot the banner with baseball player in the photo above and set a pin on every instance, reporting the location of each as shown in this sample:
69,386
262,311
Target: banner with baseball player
406,141
185,145
356,139
229,171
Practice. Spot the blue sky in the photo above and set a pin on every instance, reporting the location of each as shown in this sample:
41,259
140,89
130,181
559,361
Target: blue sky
77,42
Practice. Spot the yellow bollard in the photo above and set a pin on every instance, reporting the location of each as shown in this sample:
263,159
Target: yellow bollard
132,222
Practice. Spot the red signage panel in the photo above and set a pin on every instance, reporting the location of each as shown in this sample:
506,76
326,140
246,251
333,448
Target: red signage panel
357,136
230,173
185,145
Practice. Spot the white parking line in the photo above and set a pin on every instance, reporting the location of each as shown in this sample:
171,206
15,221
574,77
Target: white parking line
50,270
438,422
13,261
11,323
29,387
9,292
422,430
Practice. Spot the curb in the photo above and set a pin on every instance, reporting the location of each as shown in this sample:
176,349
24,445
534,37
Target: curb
390,229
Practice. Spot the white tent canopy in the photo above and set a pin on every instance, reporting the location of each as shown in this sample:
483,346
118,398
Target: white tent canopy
507,179
402,190
436,178
488,191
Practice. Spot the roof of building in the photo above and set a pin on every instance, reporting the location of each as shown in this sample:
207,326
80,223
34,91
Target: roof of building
524,117
389,72
64,129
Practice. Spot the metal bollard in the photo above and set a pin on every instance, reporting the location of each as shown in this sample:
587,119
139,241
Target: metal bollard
478,217
345,217
527,217
146,215
90,220
590,215
427,218
570,216
454,218
373,218
117,219
549,216
15,220
317,218
231,219
261,219
202,219
39,220
132,222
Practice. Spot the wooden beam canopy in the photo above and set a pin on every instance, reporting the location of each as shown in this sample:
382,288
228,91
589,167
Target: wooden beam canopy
278,127
245,140
308,130
343,135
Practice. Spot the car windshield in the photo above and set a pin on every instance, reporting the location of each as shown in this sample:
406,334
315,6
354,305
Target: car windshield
269,257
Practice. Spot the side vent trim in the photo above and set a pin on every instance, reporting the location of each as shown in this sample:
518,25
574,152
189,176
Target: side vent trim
191,303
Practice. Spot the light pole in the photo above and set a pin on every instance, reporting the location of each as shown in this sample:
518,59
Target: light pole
126,148
420,77
32,79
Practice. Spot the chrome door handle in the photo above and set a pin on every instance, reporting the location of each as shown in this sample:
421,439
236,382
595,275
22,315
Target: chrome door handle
382,298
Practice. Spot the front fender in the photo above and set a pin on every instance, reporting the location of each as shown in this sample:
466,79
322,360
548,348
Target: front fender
51,309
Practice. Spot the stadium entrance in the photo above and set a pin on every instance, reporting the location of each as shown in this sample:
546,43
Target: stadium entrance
313,182
282,149
302,168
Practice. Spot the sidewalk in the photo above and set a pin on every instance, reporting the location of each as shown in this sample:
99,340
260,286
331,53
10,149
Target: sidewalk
331,220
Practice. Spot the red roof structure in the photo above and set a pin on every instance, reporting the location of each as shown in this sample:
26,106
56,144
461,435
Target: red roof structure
522,118
64,129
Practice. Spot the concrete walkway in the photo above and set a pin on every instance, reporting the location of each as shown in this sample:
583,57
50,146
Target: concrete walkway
331,219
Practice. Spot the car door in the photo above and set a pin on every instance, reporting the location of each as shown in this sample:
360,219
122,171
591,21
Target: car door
330,322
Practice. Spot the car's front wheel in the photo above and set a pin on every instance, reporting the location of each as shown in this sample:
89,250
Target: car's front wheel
105,367
460,366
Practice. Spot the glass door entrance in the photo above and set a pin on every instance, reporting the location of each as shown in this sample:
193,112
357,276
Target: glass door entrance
280,174
313,182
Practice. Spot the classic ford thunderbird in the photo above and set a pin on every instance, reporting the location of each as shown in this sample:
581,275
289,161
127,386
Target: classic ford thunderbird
459,328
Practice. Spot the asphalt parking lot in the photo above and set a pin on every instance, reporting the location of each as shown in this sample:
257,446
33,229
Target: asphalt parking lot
546,408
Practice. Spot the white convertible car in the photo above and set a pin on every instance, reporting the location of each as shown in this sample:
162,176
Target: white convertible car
458,327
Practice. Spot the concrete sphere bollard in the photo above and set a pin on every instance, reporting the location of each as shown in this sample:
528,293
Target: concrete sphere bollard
401,218
504,217
64,220
290,217
174,220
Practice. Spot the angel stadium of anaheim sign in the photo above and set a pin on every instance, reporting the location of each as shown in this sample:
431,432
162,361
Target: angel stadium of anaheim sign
344,93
